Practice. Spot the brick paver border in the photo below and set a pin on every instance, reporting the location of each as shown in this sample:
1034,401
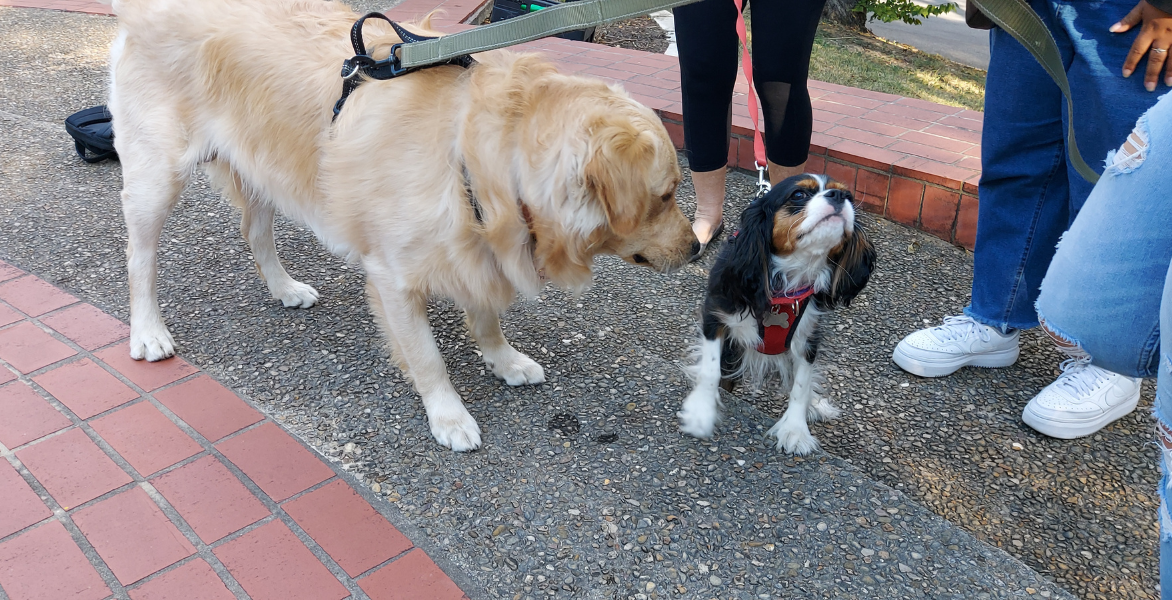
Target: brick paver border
152,481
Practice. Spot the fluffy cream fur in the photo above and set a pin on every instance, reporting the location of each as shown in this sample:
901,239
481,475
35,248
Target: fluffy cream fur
563,168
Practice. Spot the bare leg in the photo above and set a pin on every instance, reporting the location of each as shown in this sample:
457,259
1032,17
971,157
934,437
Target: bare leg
778,173
709,202
505,361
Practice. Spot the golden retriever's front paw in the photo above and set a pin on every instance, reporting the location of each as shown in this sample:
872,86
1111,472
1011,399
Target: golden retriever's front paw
455,428
152,342
518,369
294,294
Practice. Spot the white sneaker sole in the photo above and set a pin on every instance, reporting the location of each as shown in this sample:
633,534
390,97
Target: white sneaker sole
1069,430
948,366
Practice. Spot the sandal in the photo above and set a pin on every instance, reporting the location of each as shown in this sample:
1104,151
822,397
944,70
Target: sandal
704,245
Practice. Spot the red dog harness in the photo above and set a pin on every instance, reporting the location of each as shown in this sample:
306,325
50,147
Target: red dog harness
780,323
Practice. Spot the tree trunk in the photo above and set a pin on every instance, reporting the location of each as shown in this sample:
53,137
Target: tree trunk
839,11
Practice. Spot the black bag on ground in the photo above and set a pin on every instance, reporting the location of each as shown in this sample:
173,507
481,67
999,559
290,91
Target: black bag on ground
93,133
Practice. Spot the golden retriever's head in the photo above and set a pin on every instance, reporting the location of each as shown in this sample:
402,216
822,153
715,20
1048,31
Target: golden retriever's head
632,172
594,171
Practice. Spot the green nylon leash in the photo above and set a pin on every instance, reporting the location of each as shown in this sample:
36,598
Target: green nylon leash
569,16
1020,21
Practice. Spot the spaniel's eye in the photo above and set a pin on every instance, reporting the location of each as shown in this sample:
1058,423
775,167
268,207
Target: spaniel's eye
801,196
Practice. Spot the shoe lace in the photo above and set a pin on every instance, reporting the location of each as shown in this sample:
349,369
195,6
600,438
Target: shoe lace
1079,377
960,328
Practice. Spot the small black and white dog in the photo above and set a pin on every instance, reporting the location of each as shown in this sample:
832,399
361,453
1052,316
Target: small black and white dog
797,255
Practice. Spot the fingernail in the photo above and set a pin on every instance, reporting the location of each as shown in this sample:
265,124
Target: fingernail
1115,28
1127,72
1168,81
1150,85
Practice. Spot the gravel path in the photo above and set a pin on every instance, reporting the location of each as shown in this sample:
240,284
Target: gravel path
585,487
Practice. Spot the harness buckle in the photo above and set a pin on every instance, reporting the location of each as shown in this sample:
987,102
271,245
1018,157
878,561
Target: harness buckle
394,62
763,185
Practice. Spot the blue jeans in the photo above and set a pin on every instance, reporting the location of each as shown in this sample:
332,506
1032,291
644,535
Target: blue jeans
1109,287
1029,193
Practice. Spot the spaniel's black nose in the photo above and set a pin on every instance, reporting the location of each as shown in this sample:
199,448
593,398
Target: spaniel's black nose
836,197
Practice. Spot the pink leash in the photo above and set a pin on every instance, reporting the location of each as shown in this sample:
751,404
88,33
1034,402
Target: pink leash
759,159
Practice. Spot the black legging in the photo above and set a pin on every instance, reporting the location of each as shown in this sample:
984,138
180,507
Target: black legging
783,36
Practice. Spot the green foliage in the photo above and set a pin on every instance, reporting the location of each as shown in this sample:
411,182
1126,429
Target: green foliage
901,10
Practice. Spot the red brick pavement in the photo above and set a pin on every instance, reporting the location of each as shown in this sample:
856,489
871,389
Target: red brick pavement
154,482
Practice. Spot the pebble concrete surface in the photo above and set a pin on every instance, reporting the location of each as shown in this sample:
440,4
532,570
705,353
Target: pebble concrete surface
585,487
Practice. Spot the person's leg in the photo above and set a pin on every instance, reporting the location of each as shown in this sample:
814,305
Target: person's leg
1163,412
782,41
1101,297
1024,194
1023,208
1029,193
707,44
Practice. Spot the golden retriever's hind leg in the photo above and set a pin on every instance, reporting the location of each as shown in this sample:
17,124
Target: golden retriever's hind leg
150,191
404,316
256,225
505,361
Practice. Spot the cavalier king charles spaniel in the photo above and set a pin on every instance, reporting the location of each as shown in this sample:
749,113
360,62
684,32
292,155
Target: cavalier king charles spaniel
799,253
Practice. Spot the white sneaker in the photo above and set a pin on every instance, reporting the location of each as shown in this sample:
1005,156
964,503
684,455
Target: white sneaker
1082,401
959,342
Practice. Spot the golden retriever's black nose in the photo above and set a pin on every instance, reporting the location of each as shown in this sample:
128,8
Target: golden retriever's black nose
696,247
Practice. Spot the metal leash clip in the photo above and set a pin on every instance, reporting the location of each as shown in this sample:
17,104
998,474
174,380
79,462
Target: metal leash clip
763,185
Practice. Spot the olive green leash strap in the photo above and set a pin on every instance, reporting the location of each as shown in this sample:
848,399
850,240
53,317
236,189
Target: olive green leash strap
569,16
1019,20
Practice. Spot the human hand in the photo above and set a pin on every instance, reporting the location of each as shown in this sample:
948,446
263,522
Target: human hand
1154,39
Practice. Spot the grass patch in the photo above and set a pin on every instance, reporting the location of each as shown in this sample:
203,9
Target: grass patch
856,59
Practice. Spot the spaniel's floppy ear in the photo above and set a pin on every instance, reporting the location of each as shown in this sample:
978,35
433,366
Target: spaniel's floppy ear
853,263
616,173
741,273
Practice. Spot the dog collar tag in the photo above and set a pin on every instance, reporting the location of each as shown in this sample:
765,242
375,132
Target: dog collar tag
779,324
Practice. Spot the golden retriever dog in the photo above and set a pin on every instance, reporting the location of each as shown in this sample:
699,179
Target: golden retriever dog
471,184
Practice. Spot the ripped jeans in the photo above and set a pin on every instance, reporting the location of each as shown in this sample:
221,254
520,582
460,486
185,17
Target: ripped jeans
1109,287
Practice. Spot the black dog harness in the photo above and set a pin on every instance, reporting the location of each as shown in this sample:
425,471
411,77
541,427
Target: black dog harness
355,70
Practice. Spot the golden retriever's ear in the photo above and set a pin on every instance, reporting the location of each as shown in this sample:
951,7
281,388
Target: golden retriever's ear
616,172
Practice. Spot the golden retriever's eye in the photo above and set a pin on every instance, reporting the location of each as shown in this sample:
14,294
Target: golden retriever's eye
666,197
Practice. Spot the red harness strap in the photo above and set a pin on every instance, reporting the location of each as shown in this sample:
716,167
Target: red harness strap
780,323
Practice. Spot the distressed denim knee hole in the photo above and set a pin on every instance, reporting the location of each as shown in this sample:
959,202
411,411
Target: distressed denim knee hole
1066,343
1131,155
